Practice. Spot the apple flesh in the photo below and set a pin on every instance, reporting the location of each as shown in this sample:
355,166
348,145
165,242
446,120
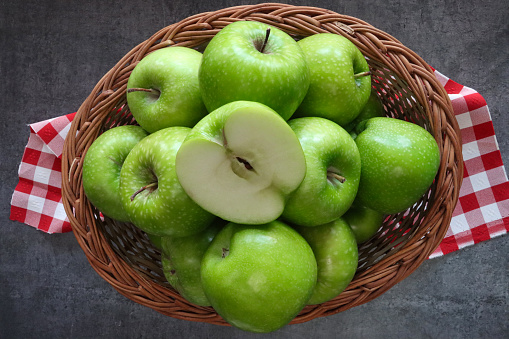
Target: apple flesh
163,89
253,61
258,277
337,256
399,163
150,191
332,176
241,162
101,168
340,80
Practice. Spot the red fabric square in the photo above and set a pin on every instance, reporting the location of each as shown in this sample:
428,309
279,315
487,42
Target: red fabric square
24,186
501,191
18,213
57,165
480,233
484,130
31,156
474,101
47,133
45,223
452,87
54,194
492,160
449,245
469,202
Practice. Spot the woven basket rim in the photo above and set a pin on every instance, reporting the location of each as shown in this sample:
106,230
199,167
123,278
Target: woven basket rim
383,50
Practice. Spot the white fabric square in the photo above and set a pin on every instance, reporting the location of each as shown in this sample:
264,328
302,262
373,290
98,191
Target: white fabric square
479,181
35,203
464,120
42,175
60,212
459,224
491,212
471,150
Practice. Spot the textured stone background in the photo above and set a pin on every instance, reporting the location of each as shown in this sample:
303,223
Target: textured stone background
51,55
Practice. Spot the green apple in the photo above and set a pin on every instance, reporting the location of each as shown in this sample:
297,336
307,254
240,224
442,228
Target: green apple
163,89
363,221
241,162
372,109
332,176
101,168
253,61
337,258
340,82
399,163
258,277
181,260
156,240
150,191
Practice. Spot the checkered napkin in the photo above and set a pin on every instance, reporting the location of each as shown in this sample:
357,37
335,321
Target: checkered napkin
482,211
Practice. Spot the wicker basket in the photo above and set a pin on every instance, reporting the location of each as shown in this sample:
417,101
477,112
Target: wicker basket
122,254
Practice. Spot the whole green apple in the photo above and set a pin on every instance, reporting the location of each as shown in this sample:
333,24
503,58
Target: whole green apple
399,163
101,168
253,61
150,191
337,258
181,260
163,89
340,80
332,175
258,277
372,109
363,221
241,162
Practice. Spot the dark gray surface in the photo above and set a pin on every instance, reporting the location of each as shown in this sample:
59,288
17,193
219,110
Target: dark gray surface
51,55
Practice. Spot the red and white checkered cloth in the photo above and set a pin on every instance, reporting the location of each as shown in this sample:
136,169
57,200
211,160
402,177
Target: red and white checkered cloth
482,211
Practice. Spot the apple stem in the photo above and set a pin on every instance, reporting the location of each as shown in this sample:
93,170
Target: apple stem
340,178
267,33
142,189
148,90
362,74
226,251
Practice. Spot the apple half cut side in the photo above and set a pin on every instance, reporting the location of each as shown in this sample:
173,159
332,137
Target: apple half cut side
241,162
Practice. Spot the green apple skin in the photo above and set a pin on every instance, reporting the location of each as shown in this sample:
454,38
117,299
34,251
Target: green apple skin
258,277
165,209
181,260
101,168
328,148
173,73
234,69
156,240
337,257
334,93
399,163
372,109
363,221
210,163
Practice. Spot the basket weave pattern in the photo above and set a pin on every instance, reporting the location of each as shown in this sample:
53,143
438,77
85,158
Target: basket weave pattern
122,254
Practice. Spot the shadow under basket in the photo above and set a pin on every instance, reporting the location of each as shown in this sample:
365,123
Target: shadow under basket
122,254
